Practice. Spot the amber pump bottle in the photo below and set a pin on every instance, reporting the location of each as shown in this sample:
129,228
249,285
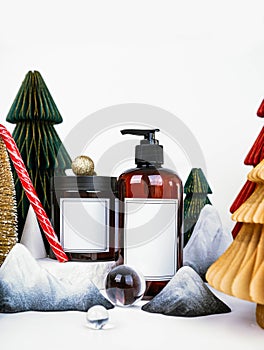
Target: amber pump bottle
150,219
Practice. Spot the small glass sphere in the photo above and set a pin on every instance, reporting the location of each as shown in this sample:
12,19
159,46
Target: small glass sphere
124,286
97,316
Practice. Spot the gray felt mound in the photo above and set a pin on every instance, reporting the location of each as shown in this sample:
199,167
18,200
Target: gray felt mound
25,286
186,295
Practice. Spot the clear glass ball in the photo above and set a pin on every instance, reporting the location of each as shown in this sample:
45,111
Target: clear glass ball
97,317
124,285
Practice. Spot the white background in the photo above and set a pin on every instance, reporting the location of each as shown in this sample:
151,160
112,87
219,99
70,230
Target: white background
200,60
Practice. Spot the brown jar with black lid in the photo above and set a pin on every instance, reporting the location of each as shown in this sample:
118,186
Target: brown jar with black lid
84,216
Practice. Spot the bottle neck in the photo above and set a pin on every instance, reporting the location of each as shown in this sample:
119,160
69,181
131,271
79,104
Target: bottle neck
149,165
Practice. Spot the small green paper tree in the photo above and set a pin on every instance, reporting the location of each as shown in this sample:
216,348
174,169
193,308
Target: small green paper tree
35,113
196,189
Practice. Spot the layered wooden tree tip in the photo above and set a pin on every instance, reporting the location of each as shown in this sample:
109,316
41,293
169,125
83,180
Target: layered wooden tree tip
260,111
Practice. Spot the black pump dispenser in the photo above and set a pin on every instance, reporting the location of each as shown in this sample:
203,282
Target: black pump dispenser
149,151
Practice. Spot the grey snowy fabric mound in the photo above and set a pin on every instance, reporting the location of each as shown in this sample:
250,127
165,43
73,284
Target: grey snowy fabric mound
186,295
25,286
208,241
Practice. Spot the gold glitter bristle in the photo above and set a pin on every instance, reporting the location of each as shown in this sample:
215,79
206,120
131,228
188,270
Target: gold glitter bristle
8,207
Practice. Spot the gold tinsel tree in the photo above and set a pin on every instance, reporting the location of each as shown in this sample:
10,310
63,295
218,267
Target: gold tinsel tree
8,208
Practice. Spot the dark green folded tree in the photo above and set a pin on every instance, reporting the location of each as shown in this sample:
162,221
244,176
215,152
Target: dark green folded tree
196,189
34,112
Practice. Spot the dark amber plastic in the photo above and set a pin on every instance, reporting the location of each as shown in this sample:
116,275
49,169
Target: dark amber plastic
149,181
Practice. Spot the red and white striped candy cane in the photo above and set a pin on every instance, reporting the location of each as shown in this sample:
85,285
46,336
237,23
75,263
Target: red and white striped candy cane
32,195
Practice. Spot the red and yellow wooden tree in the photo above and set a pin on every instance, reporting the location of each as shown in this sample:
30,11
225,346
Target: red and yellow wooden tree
240,270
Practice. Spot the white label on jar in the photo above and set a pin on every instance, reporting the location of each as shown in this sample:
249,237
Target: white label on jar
84,224
150,237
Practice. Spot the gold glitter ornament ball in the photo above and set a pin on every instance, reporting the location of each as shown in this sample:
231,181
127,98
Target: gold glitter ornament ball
83,165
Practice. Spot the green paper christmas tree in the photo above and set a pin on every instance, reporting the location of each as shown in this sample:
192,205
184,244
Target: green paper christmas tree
8,208
35,113
196,189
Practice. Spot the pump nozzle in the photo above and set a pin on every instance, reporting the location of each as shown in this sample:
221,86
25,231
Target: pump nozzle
149,134
149,150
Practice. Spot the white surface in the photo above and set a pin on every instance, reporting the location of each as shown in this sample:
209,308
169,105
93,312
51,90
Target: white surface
131,328
200,60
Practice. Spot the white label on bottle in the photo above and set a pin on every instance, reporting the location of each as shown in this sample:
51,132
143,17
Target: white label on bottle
150,237
84,224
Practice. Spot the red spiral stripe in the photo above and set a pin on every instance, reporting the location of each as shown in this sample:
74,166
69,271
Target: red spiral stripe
32,195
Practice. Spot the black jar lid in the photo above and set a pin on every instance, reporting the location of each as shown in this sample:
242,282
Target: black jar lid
84,183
